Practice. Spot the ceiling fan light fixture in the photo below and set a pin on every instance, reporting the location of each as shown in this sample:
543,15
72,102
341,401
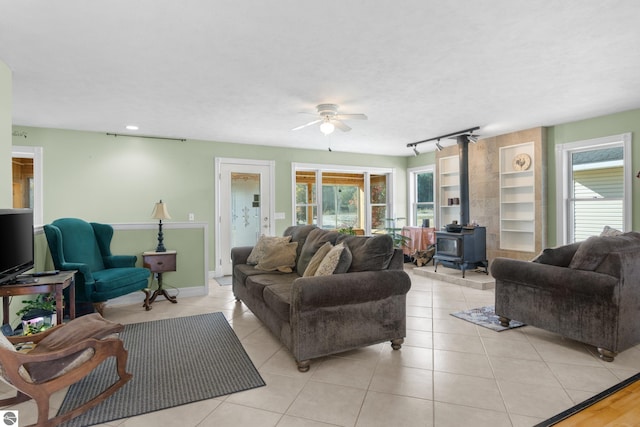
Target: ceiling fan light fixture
327,127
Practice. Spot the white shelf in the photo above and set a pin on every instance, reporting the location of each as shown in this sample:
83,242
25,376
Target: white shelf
517,198
449,188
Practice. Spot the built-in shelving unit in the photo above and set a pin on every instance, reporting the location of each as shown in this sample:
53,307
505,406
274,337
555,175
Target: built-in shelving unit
517,197
449,187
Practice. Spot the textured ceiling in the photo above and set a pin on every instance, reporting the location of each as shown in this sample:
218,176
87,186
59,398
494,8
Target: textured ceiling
243,71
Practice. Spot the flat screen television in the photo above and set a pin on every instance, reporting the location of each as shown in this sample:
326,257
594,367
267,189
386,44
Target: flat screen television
16,243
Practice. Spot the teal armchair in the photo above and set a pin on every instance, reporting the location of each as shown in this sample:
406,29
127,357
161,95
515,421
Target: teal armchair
78,245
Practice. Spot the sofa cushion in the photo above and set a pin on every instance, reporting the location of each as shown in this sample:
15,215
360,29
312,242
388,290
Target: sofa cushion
317,259
278,298
560,256
114,278
281,257
313,242
370,253
299,234
265,244
593,251
338,255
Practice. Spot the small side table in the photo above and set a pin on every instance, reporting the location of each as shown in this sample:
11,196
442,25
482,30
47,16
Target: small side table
158,263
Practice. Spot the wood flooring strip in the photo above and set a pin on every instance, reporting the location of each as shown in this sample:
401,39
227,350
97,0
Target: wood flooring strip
622,408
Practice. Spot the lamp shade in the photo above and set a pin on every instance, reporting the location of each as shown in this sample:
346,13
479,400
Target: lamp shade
160,211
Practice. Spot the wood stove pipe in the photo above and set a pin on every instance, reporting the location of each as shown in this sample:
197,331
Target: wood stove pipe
463,151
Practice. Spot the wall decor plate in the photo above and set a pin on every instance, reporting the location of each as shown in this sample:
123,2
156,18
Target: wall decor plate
521,162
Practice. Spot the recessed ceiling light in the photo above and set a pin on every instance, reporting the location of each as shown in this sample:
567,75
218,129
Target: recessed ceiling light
132,127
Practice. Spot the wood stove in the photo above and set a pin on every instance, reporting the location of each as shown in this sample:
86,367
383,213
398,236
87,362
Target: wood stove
464,250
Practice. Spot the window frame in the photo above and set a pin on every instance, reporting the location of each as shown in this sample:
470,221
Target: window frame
563,154
319,169
35,153
412,192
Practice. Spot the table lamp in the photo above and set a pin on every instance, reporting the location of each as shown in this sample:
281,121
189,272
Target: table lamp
160,212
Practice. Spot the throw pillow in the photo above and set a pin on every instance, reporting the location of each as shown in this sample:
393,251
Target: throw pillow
344,263
595,249
560,256
265,244
330,261
280,257
317,259
608,231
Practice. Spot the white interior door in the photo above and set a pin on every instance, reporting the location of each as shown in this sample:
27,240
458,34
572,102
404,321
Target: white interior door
244,207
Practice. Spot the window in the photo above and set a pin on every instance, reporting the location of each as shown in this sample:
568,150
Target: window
595,187
349,197
421,196
27,180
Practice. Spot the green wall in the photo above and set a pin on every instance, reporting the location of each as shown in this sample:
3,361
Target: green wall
115,180
6,187
613,124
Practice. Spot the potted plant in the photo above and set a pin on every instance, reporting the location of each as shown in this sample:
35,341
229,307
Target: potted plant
38,314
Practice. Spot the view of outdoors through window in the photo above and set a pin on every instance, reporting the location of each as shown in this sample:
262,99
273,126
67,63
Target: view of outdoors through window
343,198
22,182
423,208
597,189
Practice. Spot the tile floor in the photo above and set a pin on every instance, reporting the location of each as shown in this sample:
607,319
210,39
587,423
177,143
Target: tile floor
448,373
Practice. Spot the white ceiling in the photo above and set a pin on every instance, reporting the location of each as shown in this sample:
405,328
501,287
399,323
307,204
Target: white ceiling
242,71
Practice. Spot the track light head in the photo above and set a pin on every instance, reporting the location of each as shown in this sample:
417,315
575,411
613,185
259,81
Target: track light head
415,151
438,146
472,138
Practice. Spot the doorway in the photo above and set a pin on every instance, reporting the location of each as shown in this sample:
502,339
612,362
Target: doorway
243,205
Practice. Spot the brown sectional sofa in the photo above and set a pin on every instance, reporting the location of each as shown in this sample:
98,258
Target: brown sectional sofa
317,316
587,291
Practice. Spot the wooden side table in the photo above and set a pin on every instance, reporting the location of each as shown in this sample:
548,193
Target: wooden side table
43,285
158,263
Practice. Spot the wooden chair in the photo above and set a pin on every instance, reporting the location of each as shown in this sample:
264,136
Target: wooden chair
62,355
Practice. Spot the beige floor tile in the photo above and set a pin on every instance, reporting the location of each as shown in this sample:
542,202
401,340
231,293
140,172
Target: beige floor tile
403,381
289,421
191,414
453,325
466,390
534,400
523,371
383,410
419,298
232,415
418,339
457,342
343,371
419,324
502,346
449,415
462,363
276,397
587,378
328,403
412,357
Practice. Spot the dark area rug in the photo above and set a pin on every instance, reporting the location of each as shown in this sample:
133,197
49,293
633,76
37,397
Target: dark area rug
486,317
173,362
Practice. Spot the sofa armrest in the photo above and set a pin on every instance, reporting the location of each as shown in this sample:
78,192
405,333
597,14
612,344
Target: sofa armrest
240,254
309,293
551,277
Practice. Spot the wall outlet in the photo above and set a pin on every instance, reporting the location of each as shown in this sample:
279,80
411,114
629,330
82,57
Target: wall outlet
192,217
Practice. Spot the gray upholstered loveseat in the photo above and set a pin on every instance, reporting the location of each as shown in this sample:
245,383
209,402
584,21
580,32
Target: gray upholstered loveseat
362,303
588,291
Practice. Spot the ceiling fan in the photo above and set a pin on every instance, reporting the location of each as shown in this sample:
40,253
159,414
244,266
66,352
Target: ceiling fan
330,119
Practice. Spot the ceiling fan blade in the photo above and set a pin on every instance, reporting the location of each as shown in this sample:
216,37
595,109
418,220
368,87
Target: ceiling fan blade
343,127
308,124
351,116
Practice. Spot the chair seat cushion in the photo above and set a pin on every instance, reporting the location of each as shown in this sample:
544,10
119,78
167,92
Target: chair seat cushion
113,278
77,330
